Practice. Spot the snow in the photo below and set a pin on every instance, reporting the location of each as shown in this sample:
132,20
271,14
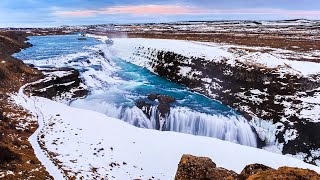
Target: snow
58,73
290,134
185,70
279,59
101,38
93,145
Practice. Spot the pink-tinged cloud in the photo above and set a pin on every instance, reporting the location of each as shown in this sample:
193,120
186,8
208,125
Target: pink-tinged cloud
153,9
136,10
80,13
179,10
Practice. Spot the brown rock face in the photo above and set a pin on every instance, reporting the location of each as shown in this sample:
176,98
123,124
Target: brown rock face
201,168
286,173
253,169
16,153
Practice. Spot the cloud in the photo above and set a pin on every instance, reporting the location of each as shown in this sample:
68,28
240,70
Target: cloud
79,13
180,10
135,10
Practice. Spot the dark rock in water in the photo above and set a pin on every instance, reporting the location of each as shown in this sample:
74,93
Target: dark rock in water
163,108
152,97
142,104
166,99
161,98
82,39
200,168
253,169
145,107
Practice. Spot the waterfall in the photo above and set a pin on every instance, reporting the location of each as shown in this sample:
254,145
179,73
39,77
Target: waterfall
115,85
233,128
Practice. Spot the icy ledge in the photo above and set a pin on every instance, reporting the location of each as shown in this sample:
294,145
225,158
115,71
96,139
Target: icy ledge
91,145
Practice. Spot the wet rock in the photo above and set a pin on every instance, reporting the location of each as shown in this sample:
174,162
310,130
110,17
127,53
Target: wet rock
145,107
253,169
161,98
166,99
153,97
199,168
163,108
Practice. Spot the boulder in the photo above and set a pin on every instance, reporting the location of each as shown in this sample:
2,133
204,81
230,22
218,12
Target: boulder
288,173
199,168
253,169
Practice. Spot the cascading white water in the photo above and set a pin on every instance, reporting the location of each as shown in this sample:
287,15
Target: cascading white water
231,128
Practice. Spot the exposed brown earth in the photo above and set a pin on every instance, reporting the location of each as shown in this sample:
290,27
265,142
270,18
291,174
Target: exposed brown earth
262,40
199,168
17,158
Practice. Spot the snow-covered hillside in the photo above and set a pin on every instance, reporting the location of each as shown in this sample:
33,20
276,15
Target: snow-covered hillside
80,143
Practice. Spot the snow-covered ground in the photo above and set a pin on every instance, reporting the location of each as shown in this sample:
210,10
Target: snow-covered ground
91,145
258,56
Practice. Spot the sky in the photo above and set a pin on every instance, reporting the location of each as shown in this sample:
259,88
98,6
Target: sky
50,13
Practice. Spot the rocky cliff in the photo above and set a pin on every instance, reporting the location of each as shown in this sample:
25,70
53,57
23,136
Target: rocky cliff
279,103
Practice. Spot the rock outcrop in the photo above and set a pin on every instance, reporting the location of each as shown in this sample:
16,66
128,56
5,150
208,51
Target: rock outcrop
200,168
61,83
161,103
